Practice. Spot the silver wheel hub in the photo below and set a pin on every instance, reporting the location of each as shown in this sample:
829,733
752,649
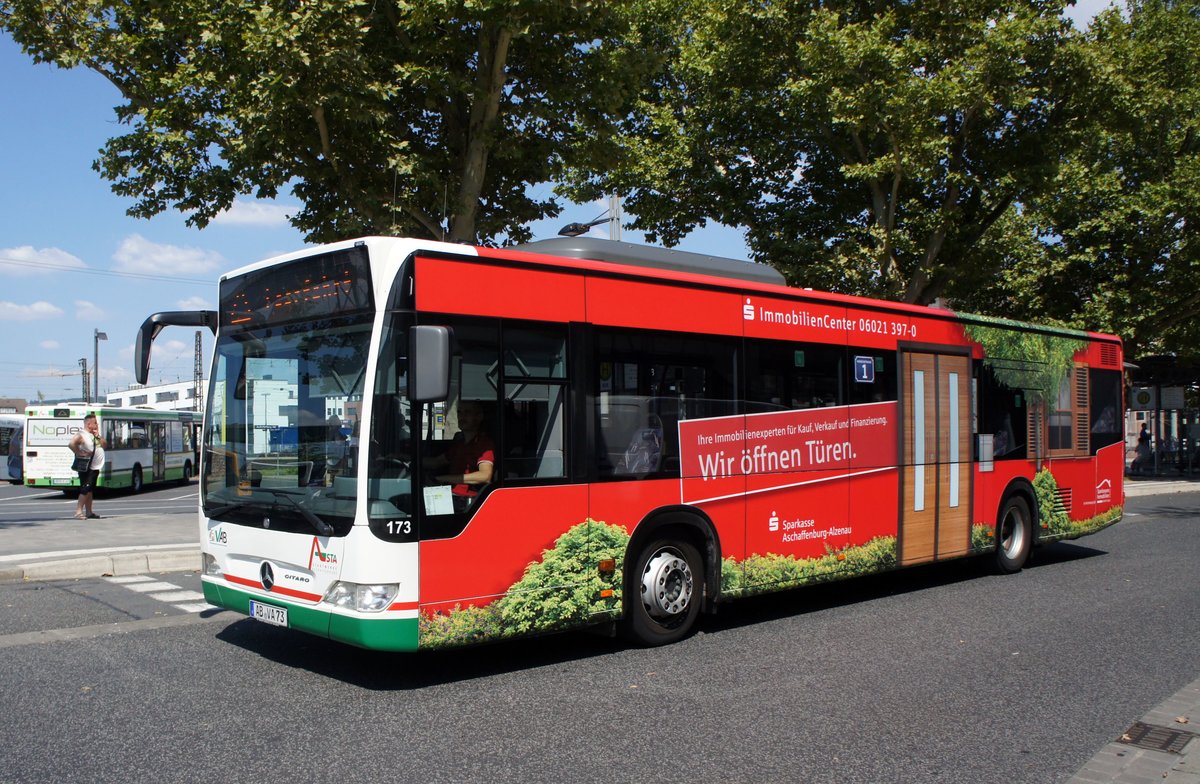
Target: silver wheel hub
666,585
1012,534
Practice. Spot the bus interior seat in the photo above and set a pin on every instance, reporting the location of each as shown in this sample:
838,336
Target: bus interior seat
389,497
345,486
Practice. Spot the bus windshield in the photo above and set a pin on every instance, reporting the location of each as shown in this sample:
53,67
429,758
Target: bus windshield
283,425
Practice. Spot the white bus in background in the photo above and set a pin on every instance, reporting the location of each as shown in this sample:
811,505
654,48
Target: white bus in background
12,435
144,445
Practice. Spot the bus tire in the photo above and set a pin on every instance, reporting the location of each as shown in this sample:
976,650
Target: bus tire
665,591
135,482
1014,535
187,473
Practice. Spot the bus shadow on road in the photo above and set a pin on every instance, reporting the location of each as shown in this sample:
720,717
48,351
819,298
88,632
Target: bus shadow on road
384,671
843,593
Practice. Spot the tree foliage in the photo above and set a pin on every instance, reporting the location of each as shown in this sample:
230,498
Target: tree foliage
382,116
1125,213
866,147
1034,361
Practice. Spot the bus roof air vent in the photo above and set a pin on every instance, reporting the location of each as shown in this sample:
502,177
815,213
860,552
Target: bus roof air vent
594,249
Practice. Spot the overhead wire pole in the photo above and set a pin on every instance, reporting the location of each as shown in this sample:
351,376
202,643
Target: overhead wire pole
83,366
197,376
97,337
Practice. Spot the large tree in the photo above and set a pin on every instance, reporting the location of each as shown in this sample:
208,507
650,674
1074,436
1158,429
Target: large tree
430,118
868,146
1123,223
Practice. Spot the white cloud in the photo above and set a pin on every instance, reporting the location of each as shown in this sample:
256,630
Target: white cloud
49,345
115,376
194,303
88,311
256,213
140,255
11,311
26,260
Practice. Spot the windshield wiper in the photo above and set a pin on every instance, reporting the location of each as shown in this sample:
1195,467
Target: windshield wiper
323,528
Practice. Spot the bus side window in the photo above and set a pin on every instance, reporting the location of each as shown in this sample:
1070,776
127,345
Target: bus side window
795,375
535,402
647,383
1002,412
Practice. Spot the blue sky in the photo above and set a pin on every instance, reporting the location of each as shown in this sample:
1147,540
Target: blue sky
72,261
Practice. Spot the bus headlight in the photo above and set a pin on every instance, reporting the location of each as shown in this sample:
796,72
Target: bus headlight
208,565
363,598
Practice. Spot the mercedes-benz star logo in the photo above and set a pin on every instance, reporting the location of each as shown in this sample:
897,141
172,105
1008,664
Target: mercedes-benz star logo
267,575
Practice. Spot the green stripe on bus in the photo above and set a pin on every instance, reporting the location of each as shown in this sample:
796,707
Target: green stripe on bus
384,634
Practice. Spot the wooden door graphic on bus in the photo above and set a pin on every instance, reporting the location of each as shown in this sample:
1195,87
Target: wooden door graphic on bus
935,506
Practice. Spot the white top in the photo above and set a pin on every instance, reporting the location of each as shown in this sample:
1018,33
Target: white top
88,445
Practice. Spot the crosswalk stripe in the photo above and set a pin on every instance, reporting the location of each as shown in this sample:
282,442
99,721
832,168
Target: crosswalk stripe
152,587
194,608
178,596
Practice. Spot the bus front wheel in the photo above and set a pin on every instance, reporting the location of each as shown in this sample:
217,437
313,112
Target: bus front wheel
664,594
1014,535
136,481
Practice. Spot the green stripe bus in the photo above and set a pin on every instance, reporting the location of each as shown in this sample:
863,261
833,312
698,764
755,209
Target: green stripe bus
143,445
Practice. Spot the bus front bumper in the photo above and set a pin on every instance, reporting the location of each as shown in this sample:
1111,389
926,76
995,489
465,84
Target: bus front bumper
382,633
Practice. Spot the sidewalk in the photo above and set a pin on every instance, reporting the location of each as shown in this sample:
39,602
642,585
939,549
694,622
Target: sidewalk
1162,746
77,549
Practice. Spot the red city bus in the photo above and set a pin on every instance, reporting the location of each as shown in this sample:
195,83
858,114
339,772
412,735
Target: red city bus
578,432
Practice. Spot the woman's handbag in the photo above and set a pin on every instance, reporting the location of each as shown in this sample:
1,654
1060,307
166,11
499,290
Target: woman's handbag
81,464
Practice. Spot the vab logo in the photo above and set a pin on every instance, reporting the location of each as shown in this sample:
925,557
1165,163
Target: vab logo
773,523
324,557
748,312
218,535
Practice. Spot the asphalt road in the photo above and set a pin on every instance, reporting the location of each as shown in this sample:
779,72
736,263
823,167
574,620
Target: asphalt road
19,504
938,674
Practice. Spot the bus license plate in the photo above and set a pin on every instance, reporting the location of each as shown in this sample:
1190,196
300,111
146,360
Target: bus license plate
268,613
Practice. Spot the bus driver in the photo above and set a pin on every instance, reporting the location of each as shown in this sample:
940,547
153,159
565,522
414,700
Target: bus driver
467,462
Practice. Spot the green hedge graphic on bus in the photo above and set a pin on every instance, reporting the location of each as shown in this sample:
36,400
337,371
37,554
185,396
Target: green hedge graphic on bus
770,572
563,590
566,589
1054,520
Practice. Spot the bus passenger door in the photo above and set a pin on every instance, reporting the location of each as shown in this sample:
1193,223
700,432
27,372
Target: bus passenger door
935,519
158,443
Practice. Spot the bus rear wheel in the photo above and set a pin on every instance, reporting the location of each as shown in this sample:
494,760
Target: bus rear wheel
1014,535
664,593
136,481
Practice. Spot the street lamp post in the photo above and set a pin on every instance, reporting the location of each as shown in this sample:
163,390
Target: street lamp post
97,337
612,216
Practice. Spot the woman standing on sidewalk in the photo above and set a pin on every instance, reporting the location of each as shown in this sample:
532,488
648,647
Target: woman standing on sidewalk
88,444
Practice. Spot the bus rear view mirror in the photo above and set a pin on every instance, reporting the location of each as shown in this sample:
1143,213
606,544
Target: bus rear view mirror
155,324
429,364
